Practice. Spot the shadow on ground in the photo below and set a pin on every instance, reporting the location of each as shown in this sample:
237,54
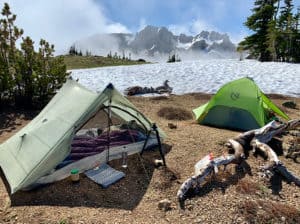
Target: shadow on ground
125,194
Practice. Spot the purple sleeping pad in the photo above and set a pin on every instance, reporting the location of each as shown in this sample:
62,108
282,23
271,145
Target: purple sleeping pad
83,146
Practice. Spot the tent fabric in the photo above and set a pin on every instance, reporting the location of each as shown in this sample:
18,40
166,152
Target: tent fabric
38,147
240,105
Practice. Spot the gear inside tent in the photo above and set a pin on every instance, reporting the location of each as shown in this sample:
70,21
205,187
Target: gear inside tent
78,129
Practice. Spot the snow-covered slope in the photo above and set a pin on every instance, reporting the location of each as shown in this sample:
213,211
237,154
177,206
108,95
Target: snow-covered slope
196,76
212,41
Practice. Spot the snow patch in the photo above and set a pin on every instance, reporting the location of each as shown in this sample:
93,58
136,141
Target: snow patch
196,76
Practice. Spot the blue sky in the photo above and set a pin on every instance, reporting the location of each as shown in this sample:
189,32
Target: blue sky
61,22
182,15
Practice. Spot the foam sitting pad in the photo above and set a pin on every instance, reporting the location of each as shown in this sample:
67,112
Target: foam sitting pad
104,175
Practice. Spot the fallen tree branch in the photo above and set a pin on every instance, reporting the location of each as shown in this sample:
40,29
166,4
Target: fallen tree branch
268,151
207,168
254,139
275,165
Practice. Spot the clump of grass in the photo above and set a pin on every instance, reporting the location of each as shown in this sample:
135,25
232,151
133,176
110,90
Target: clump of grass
260,211
174,113
63,222
245,186
75,62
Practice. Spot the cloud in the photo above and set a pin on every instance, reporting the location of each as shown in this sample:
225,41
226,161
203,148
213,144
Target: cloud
238,37
192,28
199,25
61,22
195,27
142,24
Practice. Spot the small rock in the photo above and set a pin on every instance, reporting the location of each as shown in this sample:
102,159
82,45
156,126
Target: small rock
295,195
239,220
290,104
285,146
158,162
172,126
190,207
164,205
198,220
283,219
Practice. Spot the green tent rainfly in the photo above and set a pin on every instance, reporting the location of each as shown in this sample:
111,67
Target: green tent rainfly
41,145
239,105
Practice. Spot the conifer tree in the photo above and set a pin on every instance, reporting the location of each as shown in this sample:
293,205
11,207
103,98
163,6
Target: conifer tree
26,75
27,66
275,38
72,50
285,26
296,38
261,22
9,34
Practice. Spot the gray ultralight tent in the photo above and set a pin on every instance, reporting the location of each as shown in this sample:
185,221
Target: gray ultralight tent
31,154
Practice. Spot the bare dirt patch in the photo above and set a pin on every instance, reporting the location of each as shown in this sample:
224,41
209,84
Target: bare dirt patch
135,198
174,113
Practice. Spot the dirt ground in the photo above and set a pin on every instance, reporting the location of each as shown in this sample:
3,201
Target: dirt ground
230,197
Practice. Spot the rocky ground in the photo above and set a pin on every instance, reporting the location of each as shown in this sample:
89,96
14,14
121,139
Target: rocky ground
230,197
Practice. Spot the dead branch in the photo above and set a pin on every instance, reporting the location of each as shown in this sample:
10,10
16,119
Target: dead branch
207,168
268,151
255,139
275,165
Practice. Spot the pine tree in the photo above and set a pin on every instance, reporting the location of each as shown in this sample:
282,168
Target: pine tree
72,50
261,22
27,63
123,55
9,34
285,26
296,38
24,73
271,40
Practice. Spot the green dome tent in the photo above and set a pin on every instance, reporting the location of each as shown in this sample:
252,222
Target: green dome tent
239,105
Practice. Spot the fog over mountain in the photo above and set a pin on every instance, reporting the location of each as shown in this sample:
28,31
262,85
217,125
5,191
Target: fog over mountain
157,43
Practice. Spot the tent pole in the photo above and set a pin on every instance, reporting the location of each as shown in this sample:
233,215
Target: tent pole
145,143
159,143
108,132
154,127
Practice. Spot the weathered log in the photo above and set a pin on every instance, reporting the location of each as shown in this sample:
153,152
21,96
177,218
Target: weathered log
165,88
288,175
196,180
267,132
275,165
255,139
270,154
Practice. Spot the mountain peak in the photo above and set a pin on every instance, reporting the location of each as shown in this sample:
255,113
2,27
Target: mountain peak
153,40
